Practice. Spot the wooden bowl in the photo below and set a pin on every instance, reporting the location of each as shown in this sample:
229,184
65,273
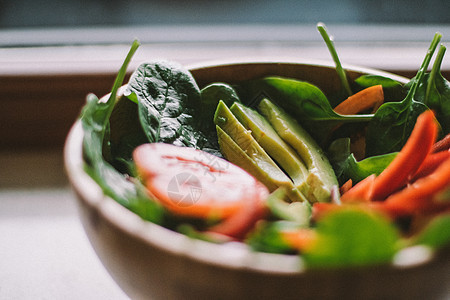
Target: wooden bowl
151,262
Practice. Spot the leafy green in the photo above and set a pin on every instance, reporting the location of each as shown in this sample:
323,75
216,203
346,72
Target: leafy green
352,237
169,106
437,92
95,120
393,90
393,122
436,234
166,95
213,93
347,167
210,97
267,237
358,170
305,102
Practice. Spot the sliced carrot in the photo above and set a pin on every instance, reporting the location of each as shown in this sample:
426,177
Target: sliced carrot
431,162
442,145
409,159
320,209
371,97
361,192
419,196
346,186
302,239
193,183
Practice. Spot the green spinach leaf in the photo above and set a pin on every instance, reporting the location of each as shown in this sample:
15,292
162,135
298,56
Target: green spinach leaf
210,97
358,170
347,167
95,120
366,81
393,90
393,122
169,106
305,102
340,243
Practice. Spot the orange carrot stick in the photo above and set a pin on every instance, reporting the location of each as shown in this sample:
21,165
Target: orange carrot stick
409,159
431,162
321,209
302,239
418,197
371,97
442,145
361,192
346,186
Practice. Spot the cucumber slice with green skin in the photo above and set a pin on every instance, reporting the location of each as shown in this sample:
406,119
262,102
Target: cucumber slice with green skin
321,179
239,147
272,143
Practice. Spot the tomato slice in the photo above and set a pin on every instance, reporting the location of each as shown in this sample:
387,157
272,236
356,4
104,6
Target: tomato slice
193,183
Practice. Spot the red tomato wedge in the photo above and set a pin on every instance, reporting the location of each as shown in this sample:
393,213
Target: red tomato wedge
193,183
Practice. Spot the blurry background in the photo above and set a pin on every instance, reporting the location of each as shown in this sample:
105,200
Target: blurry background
23,13
53,53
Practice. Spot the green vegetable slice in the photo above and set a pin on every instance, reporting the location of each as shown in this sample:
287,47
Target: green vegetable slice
352,237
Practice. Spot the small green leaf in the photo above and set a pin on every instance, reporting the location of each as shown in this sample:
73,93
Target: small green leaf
358,170
210,97
352,237
436,234
169,105
366,81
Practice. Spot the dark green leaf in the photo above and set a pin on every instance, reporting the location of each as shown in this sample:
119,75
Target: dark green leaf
305,102
169,106
393,122
210,97
391,126
393,90
437,95
337,153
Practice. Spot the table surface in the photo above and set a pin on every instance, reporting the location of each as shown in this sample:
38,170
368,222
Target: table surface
44,252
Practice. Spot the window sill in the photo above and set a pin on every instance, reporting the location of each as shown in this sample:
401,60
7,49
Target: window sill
43,88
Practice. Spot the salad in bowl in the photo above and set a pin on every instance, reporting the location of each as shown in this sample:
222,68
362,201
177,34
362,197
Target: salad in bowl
305,168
